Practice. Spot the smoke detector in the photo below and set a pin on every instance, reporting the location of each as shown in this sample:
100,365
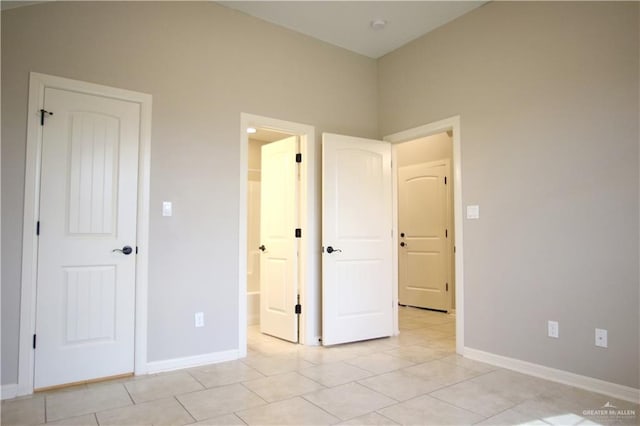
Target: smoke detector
378,24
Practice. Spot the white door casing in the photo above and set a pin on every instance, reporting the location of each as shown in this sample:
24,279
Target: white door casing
278,221
423,222
88,201
357,284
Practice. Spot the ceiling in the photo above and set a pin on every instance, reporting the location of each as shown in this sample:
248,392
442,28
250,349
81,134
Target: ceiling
266,135
347,24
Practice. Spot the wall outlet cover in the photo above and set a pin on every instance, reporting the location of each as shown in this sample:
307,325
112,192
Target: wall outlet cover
199,319
601,338
553,329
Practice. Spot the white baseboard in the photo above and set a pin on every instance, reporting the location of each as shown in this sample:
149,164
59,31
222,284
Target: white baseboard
9,391
191,361
584,382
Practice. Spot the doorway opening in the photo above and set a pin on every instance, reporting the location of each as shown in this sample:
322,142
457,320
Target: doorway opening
294,311
426,260
273,213
426,263
453,236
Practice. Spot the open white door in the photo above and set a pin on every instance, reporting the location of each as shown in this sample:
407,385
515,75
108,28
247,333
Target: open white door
87,238
279,258
357,293
423,222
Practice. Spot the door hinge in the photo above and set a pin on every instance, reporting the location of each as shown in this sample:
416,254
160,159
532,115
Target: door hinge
34,341
447,286
136,249
299,157
38,228
44,112
298,232
298,309
445,180
446,233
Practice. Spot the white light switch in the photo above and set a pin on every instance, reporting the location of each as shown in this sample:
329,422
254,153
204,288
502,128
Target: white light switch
473,212
167,208
553,329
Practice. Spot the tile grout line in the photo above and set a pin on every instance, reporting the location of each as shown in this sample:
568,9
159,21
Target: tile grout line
185,409
129,393
340,420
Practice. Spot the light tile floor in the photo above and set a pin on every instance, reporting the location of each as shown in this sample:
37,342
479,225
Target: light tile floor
414,378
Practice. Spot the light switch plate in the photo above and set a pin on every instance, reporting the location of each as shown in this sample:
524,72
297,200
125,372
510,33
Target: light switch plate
553,329
167,208
473,212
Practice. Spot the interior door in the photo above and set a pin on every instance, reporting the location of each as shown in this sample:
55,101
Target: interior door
357,293
423,255
279,258
86,275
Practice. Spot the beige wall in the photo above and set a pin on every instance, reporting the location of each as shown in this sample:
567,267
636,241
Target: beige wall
198,60
547,95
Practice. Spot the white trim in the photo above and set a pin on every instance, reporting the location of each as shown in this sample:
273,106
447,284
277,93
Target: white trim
452,123
191,361
37,84
9,391
309,251
560,376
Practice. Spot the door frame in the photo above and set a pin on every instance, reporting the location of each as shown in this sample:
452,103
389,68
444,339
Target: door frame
453,124
37,84
309,272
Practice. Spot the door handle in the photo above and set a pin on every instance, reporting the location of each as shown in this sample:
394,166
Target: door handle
262,248
402,244
331,250
126,250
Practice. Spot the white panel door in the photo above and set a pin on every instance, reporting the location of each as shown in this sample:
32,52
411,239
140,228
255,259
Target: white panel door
85,289
357,294
279,258
423,255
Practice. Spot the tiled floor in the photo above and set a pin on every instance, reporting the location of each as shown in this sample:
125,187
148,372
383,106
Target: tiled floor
413,379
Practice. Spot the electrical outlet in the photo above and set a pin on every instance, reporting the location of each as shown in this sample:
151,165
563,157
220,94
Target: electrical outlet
601,337
553,329
199,319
